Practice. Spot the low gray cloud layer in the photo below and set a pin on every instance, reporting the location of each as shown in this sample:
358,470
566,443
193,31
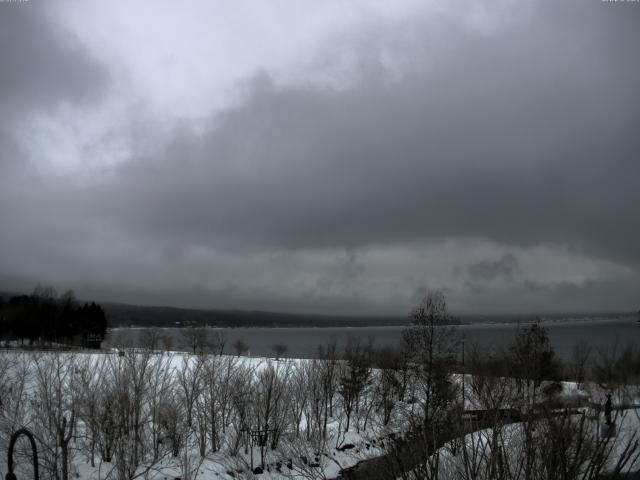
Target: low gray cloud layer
497,160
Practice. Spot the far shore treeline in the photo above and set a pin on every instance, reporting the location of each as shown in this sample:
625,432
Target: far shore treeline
122,315
45,318
125,315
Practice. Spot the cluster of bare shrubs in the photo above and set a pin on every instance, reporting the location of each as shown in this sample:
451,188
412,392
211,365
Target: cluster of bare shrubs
130,414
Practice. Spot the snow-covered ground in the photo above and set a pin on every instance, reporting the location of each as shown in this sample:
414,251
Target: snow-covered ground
295,457
298,455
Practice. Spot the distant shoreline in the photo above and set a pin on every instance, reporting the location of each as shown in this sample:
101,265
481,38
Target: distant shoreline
571,321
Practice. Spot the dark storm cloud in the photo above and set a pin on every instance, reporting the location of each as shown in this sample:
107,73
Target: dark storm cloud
41,67
310,198
525,135
41,64
488,269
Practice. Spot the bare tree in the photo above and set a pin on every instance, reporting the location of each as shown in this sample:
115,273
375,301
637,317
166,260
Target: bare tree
129,414
91,374
151,338
190,385
354,377
316,407
242,393
197,338
161,385
271,404
390,380
532,360
431,345
167,342
300,385
218,377
328,355
56,397
15,379
240,347
217,342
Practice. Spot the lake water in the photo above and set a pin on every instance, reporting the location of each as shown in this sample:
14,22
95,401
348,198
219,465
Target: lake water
303,342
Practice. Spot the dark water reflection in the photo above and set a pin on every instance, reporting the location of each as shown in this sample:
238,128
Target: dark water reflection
304,342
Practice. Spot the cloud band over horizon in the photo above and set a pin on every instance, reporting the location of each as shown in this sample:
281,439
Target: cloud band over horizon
328,159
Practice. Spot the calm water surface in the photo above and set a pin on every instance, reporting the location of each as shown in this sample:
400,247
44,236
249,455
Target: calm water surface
303,342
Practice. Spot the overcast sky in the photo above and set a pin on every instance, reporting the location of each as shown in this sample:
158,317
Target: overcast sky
323,156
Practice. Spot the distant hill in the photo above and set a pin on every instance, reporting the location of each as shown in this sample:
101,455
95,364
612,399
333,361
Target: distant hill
125,315
133,315
143,316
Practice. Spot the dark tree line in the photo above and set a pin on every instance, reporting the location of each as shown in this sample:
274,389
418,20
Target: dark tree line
46,318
